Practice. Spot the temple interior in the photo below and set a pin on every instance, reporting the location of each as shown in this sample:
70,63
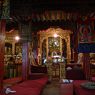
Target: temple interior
47,47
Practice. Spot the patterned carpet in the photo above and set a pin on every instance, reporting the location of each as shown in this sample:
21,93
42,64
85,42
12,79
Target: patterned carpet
51,88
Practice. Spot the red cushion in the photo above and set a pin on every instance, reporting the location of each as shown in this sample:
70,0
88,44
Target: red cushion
13,80
34,83
42,81
30,84
25,91
30,87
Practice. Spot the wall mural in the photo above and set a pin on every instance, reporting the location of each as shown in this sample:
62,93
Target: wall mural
86,32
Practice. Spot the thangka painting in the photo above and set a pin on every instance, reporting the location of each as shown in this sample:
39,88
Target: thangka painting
86,34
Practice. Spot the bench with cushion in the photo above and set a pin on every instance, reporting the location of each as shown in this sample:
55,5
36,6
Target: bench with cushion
29,87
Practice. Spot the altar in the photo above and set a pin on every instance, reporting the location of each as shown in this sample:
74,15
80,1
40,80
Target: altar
54,50
55,68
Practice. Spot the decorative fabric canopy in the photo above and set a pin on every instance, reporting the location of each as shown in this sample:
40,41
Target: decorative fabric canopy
86,48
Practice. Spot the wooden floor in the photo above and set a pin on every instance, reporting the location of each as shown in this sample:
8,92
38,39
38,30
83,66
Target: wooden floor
52,88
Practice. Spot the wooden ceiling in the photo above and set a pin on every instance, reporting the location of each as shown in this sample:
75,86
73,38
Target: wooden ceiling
27,7
47,11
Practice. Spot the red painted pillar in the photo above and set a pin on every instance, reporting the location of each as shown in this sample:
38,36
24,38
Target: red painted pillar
2,43
25,60
25,33
86,65
76,48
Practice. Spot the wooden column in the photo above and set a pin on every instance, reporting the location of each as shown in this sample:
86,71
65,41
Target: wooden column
76,47
72,47
25,60
2,43
86,65
25,33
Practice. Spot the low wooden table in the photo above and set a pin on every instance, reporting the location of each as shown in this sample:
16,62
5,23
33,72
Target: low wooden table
66,88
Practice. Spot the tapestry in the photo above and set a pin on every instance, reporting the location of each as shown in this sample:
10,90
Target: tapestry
85,34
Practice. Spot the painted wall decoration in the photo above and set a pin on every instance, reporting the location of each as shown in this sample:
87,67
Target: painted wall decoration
86,28
85,34
5,9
